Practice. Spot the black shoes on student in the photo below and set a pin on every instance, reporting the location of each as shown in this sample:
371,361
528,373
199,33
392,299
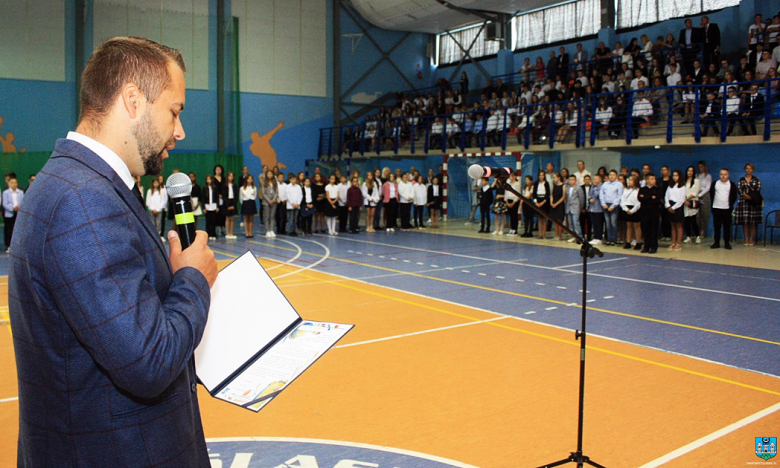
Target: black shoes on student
728,247
638,246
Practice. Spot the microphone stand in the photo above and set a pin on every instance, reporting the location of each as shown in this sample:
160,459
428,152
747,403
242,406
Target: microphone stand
586,251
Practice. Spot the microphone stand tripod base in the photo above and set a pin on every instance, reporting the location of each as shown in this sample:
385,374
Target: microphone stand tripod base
575,457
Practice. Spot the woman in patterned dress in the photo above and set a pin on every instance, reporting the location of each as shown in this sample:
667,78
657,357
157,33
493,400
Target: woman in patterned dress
749,212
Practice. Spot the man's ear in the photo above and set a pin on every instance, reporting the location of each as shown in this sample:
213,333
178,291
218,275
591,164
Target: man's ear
132,100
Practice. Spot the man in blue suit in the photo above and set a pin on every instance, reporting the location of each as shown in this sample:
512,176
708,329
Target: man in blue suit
104,322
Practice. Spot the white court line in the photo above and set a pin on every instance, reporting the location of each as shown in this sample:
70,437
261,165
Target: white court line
590,263
419,332
308,267
6,400
410,453
711,437
473,257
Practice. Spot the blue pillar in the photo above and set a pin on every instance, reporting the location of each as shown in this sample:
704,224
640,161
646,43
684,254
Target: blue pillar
505,63
608,36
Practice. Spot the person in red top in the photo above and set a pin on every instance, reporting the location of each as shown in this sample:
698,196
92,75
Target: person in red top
355,204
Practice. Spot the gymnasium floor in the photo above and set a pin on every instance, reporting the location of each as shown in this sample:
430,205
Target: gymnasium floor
463,354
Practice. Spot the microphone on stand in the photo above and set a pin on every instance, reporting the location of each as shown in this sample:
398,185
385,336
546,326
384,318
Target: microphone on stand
479,172
179,188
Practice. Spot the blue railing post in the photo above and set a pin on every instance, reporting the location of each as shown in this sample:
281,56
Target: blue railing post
594,124
696,116
363,139
396,142
768,111
412,132
503,133
444,137
551,130
330,142
319,145
630,118
427,133
527,132
724,113
670,116
483,131
463,132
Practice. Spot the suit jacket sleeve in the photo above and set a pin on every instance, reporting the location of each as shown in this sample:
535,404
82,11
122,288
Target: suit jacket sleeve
714,35
100,281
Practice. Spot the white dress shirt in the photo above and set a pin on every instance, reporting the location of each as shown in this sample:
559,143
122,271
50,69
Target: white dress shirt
705,182
676,195
107,155
248,193
722,190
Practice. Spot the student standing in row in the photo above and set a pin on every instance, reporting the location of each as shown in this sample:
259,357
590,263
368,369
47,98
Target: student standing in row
610,195
420,200
630,205
596,210
332,206
390,198
585,223
342,205
307,207
574,202
557,204
542,200
371,198
354,205
651,200
528,212
674,199
692,189
195,195
211,205
723,194
513,204
294,198
155,202
405,198
249,205
749,211
12,200
485,202
499,207
281,211
219,184
230,203
434,201
270,200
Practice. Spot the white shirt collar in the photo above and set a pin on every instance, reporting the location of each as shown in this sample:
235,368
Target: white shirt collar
107,155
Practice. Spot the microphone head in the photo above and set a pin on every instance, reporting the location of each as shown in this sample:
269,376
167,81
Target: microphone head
178,185
476,171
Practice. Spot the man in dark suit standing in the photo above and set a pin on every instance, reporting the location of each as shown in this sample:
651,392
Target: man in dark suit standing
690,41
711,33
563,62
104,321
552,65
752,109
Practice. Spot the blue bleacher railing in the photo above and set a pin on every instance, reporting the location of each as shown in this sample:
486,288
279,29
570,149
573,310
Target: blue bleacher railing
677,111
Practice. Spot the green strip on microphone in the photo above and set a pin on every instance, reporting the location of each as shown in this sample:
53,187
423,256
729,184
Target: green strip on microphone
185,218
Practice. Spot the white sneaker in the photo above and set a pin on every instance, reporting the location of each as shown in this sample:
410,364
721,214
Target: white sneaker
467,222
273,234
687,240
595,242
571,241
268,234
495,232
500,233
698,240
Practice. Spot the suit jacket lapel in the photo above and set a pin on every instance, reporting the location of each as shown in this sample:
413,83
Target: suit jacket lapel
76,151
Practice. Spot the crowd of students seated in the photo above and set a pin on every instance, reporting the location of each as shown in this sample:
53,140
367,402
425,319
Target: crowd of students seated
293,203
632,208
694,63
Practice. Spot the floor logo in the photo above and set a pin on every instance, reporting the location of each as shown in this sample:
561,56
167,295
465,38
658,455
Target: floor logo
276,452
766,447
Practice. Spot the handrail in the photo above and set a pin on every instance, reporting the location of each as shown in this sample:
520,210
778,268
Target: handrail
392,134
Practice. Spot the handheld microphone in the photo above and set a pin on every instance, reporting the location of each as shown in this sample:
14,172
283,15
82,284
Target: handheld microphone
179,188
478,172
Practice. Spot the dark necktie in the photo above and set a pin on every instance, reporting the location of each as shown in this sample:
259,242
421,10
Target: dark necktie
138,195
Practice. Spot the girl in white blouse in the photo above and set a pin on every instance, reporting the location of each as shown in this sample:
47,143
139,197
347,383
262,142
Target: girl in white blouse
692,188
629,203
248,194
156,201
674,201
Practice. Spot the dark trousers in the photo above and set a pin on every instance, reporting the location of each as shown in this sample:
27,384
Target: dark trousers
484,213
597,220
406,213
735,118
354,218
343,214
211,223
391,212
635,123
721,218
691,227
419,215
378,215
666,225
748,121
586,225
512,212
528,219
281,218
650,222
708,124
306,224
8,232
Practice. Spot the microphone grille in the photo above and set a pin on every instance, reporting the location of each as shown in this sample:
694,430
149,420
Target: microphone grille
476,171
178,185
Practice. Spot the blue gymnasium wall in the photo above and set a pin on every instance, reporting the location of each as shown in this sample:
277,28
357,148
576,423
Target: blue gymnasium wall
732,157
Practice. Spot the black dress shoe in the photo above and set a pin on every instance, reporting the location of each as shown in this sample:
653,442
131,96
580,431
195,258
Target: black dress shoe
480,231
728,247
715,246
638,246
627,247
652,251
645,250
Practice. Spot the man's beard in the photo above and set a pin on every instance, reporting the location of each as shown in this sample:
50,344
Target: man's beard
149,146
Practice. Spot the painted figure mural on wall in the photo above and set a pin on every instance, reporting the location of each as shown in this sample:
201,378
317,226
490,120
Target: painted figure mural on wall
7,141
261,147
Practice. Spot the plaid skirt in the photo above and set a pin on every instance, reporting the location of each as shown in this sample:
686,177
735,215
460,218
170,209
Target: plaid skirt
746,212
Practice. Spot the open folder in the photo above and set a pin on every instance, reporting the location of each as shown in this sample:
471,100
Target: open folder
255,344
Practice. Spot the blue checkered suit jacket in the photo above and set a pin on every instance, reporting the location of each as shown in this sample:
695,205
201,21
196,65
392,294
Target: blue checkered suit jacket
103,331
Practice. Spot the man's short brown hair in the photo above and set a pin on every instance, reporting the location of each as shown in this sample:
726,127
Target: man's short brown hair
123,60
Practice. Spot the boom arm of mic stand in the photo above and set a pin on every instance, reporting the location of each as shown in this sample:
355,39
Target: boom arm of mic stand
587,249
